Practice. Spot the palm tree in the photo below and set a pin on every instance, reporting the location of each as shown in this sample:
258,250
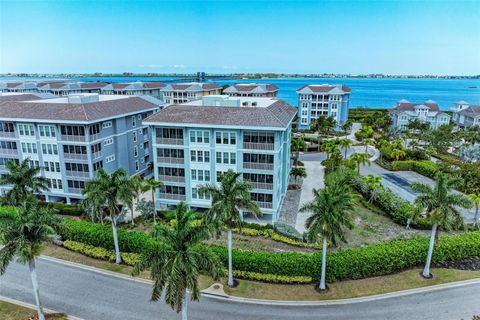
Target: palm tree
24,179
112,190
345,144
475,198
373,182
397,154
331,208
441,206
228,200
298,144
368,142
176,262
93,205
298,172
153,185
414,145
138,187
360,159
23,232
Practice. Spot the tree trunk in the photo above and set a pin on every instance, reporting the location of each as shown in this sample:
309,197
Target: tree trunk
346,148
324,263
318,141
475,221
426,270
230,271
133,218
154,207
185,306
118,258
36,291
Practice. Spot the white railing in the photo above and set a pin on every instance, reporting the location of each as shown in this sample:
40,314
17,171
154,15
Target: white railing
77,174
171,178
169,141
75,156
96,155
258,166
262,185
9,151
94,137
75,190
6,134
258,146
66,137
170,196
262,204
170,160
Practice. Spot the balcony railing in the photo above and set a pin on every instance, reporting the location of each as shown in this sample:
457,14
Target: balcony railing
146,137
66,137
75,156
258,166
170,196
170,141
262,204
147,152
96,155
261,185
9,151
77,174
170,160
171,178
258,146
6,134
75,190
94,137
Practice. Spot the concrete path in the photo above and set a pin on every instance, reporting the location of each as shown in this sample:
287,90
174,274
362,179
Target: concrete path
96,296
314,180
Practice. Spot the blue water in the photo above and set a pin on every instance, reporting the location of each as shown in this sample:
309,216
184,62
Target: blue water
370,93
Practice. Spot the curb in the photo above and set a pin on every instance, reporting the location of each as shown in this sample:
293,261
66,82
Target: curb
371,298
33,307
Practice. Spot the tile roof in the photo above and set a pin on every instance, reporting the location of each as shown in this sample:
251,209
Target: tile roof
405,105
471,111
92,85
251,87
82,112
195,86
324,88
24,97
277,115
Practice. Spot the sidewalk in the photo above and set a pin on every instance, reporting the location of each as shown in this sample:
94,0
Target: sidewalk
314,180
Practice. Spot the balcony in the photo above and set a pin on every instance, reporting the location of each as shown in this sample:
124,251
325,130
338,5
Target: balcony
258,166
94,137
96,155
9,152
75,156
75,190
177,142
6,134
262,185
66,137
77,174
170,196
170,160
147,152
146,137
258,146
262,204
171,178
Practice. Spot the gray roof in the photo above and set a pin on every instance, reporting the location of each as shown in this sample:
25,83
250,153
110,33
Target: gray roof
26,97
472,111
80,112
193,86
277,115
251,88
405,105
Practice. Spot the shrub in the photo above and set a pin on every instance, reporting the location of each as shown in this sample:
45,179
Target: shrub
272,278
424,167
288,231
416,154
101,253
65,209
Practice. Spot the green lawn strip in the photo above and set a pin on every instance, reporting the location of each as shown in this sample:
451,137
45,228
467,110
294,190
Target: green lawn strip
10,311
259,290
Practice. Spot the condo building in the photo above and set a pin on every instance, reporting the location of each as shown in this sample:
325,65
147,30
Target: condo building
195,142
135,88
186,92
66,88
427,112
466,115
71,137
316,100
251,90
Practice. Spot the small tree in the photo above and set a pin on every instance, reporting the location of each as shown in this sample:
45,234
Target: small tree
360,159
153,185
374,183
368,142
298,172
23,231
441,206
475,198
145,207
345,144
178,259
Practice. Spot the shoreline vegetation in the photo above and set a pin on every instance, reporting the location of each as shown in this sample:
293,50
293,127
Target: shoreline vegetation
242,75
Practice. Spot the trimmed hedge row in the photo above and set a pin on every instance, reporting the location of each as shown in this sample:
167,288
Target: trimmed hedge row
128,258
354,263
65,209
423,167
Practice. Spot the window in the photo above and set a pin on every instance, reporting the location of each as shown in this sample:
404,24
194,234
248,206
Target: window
7,127
96,148
259,137
200,175
223,137
33,163
28,147
97,165
95,129
72,130
10,145
137,165
170,153
75,184
200,156
78,167
55,184
49,148
219,157
110,158
199,195
51,166
134,133
258,158
134,121
135,151
26,130
107,124
169,133
47,131
74,149
108,141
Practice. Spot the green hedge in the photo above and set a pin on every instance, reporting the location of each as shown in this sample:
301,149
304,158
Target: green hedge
423,167
355,263
66,209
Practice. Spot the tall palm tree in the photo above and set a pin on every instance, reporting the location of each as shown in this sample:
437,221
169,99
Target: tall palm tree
153,185
23,232
228,200
93,205
113,191
138,188
331,208
298,172
368,142
178,259
441,206
360,159
298,144
475,198
24,180
345,144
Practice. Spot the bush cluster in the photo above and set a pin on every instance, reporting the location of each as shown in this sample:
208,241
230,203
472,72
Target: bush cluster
424,167
272,278
354,263
128,258
66,209
289,232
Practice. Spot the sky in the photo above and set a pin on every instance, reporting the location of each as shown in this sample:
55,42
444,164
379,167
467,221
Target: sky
345,37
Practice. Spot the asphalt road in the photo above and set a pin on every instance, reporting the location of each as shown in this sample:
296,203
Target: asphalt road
91,296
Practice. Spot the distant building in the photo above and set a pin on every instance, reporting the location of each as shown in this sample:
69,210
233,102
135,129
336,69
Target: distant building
428,112
186,92
18,86
326,100
136,88
67,88
251,90
195,142
466,115
71,137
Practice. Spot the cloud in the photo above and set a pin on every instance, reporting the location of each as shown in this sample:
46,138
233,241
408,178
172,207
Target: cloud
178,66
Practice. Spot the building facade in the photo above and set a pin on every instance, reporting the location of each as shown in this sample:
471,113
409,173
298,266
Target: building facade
186,92
71,137
136,88
427,112
194,143
466,115
251,90
325,100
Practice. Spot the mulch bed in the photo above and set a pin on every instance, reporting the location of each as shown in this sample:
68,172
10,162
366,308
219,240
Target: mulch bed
463,264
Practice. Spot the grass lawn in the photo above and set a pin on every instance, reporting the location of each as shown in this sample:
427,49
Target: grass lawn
342,289
9,311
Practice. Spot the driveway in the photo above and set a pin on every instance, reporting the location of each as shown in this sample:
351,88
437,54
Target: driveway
314,180
97,296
